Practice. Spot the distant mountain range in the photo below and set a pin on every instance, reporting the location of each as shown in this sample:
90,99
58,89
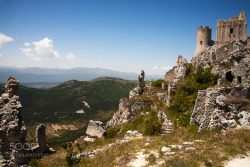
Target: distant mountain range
34,74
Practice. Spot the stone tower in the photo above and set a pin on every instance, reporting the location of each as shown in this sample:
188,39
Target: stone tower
234,29
203,39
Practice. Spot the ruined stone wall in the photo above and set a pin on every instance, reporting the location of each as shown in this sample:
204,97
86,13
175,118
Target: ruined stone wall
12,128
234,29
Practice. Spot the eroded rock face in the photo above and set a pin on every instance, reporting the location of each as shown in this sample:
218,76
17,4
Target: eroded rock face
181,70
96,129
230,62
127,110
12,128
219,107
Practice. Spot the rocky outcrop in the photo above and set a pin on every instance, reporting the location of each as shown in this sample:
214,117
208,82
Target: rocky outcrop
137,91
170,75
12,128
42,148
181,70
128,109
230,62
95,130
166,123
220,107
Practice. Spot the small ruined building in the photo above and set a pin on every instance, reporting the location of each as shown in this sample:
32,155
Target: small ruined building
233,30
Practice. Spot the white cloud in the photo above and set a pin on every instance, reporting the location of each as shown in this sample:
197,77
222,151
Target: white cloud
27,44
4,39
70,56
29,53
1,55
167,68
42,50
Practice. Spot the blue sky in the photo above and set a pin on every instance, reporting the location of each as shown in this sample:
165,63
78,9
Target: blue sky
122,35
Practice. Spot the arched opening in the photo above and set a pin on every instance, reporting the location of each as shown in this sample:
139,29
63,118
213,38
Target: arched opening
200,42
229,76
231,30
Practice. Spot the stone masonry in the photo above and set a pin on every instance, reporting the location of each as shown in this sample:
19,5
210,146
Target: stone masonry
12,128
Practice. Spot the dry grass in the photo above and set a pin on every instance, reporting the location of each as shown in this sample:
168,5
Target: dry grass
214,149
236,100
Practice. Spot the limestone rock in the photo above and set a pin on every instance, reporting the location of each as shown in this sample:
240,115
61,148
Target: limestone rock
128,109
163,97
214,110
134,92
170,75
181,70
244,119
230,62
140,87
131,133
96,129
165,149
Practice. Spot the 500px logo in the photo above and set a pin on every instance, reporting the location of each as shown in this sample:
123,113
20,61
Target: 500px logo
22,146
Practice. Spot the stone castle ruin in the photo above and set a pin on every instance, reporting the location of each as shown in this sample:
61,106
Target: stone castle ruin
14,150
233,30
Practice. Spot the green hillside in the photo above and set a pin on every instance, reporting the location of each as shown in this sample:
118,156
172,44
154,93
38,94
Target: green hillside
58,105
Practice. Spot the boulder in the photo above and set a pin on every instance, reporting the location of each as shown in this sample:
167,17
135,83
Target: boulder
96,129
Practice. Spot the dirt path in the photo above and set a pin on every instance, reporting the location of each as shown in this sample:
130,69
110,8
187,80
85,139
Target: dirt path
242,161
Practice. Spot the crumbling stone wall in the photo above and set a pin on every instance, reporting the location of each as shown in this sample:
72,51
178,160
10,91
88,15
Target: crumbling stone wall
234,29
42,147
12,128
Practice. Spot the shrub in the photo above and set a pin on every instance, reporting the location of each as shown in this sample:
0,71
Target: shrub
152,125
184,97
184,120
112,132
147,124
157,83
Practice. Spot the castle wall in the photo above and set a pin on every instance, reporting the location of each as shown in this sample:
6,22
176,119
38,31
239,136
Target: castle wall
234,29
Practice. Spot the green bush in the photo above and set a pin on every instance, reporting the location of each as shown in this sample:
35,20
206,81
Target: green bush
184,120
184,97
151,123
147,124
112,132
157,83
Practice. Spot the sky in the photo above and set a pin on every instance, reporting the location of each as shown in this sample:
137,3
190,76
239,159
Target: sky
121,35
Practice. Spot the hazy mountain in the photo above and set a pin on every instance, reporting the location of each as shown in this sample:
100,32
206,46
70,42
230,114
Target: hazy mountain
26,75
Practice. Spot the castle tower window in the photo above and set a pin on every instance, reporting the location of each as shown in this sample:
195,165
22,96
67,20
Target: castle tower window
231,30
239,79
200,42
